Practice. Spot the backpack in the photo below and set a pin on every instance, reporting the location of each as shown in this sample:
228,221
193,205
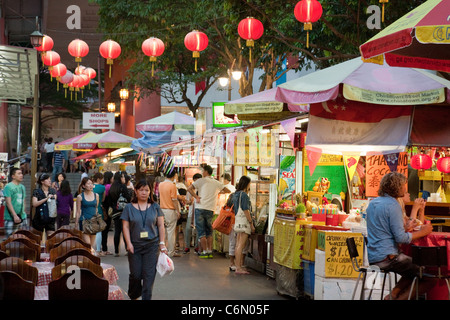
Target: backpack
121,203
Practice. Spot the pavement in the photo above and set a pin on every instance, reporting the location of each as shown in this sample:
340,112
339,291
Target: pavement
200,279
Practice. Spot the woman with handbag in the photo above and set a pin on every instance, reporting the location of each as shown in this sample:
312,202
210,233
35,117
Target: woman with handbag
118,190
144,233
43,195
87,208
243,223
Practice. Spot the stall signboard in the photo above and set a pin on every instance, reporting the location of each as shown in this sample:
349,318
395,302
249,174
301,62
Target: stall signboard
289,240
287,176
248,151
220,120
98,120
378,165
329,166
338,263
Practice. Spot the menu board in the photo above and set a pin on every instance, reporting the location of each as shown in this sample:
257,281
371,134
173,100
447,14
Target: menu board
338,263
377,167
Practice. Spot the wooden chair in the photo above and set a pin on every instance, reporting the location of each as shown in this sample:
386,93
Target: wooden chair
29,243
16,287
68,232
80,261
20,267
3,255
76,239
91,287
56,240
32,230
19,236
73,230
22,251
78,252
64,247
33,236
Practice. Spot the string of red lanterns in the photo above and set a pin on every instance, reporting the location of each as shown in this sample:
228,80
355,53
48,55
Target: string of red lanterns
250,29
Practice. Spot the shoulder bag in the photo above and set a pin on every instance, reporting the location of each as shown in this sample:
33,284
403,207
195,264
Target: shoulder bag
241,223
95,224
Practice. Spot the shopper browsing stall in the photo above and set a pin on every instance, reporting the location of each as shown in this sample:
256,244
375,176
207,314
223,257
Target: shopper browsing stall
208,188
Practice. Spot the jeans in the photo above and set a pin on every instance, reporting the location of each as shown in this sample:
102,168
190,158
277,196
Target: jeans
203,222
56,170
143,270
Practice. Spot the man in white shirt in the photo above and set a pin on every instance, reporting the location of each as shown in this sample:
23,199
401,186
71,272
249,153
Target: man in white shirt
208,188
49,149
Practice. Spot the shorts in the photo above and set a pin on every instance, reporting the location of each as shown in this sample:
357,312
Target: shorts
11,227
203,222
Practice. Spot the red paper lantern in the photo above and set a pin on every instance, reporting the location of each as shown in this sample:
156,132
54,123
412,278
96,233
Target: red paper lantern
58,71
78,49
153,47
110,50
51,59
308,11
443,165
250,29
65,80
79,70
74,85
196,41
91,73
421,162
47,44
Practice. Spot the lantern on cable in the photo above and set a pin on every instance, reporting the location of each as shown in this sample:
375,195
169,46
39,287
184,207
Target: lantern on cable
196,41
78,49
383,2
47,45
110,50
308,11
65,80
91,73
58,71
84,81
443,165
153,47
51,59
79,70
250,29
73,86
421,162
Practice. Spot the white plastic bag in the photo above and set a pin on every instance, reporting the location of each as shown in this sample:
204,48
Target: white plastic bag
164,265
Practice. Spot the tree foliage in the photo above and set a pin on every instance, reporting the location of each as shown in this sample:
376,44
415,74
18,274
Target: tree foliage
336,37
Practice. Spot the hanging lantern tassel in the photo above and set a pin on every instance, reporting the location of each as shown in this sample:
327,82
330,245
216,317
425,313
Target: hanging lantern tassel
307,26
153,60
196,55
110,62
382,9
250,43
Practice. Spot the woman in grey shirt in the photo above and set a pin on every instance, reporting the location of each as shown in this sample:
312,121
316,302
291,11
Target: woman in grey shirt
143,230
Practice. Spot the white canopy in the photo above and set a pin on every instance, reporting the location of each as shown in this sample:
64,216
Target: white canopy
18,68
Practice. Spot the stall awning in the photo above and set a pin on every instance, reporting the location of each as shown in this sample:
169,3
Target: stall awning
94,154
18,68
431,126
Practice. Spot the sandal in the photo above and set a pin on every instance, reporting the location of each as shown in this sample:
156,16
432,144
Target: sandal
232,268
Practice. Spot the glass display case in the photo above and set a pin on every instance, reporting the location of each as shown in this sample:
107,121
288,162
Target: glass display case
259,197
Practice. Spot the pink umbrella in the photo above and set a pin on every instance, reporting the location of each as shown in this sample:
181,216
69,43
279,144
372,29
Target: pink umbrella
68,144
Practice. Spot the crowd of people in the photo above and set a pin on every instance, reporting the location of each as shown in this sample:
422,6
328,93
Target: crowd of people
148,216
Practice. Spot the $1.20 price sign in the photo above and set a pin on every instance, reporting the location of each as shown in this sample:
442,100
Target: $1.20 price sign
337,260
